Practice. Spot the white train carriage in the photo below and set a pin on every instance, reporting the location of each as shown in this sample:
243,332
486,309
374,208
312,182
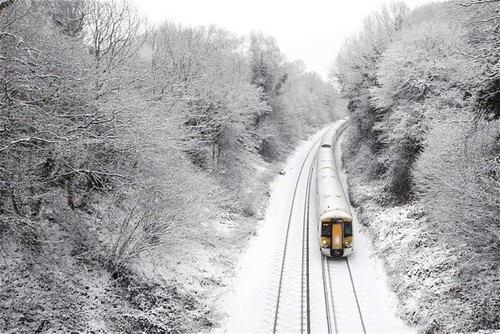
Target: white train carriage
335,226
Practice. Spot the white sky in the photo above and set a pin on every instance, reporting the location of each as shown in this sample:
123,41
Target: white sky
312,30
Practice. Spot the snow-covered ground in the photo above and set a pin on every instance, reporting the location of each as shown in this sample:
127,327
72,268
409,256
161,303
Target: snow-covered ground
251,307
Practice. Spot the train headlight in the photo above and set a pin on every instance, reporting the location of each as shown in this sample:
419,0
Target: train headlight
348,244
325,243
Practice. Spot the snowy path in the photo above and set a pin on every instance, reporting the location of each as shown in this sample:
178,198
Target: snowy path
285,285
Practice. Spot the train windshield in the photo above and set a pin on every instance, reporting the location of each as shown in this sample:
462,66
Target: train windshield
347,229
326,231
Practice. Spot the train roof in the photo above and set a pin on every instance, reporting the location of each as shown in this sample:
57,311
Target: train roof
326,160
327,140
330,134
331,196
328,215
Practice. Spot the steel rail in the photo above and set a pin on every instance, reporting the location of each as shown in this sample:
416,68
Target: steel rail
305,256
287,235
355,295
327,286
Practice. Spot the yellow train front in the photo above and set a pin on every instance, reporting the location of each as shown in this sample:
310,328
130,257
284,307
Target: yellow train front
335,225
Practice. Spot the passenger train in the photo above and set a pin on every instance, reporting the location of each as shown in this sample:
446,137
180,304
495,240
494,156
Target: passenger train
335,218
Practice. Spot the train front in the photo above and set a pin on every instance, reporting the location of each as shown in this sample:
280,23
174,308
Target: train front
336,233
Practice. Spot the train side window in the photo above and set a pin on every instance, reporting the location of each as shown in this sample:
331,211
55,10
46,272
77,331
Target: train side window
326,231
347,229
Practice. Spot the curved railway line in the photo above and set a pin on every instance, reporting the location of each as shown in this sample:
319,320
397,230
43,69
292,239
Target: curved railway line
286,284
342,311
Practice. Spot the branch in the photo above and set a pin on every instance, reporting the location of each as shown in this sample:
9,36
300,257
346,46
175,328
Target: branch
86,172
19,39
5,4
26,140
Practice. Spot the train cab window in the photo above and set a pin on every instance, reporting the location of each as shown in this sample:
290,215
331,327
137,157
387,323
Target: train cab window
347,229
326,230
326,145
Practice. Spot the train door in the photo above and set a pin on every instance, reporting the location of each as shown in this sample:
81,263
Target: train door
337,226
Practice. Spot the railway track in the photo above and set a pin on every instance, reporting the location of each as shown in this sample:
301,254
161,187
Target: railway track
290,286
343,311
294,310
296,240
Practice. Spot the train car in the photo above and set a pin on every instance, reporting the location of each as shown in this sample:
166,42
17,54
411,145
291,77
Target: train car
335,218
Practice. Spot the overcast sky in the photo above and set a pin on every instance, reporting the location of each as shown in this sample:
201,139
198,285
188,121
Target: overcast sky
312,30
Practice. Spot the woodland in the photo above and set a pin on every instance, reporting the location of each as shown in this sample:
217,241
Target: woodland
132,157
423,156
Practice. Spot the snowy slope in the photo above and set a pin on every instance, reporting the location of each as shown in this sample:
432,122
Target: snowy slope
265,300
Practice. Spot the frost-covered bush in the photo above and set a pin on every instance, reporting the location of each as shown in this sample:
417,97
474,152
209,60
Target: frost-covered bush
459,188
460,196
457,181
363,168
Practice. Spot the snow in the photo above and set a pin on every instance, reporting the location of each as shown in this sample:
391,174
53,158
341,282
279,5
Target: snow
251,306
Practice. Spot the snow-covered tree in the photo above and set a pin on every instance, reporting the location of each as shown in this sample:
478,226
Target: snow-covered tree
51,129
356,67
425,137
417,82
114,32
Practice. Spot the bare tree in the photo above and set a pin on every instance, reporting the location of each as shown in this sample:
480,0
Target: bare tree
114,32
